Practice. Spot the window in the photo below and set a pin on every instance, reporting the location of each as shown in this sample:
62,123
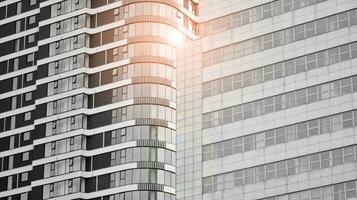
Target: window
17,44
324,91
291,133
29,77
300,64
248,110
280,135
249,176
278,38
26,136
291,165
238,145
315,161
302,130
303,164
237,81
269,138
24,176
32,2
268,105
347,120
25,156
343,20
310,29
345,52
288,5
312,94
267,10
27,116
270,171
23,196
353,17
299,32
327,193
349,154
28,96
32,19
260,173
354,50
289,67
30,38
337,157
16,64
332,23
325,125
336,122
268,41
321,26
325,159
30,58
350,190
278,7
268,73
311,61
322,59
301,97
339,191
18,26
333,56
313,127
249,143
281,169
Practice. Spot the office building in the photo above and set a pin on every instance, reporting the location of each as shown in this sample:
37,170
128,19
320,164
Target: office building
88,98
266,102
178,99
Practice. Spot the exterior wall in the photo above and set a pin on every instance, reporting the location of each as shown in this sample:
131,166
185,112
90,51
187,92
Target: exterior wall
102,108
222,131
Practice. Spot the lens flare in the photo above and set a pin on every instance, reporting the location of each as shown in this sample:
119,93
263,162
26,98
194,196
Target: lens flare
175,37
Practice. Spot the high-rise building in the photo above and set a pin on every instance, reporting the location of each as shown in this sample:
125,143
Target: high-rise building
266,102
88,98
178,99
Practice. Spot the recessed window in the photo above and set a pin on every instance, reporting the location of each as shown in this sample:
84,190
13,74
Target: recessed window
28,96
30,38
27,116
32,2
16,64
24,176
30,58
23,196
25,156
18,26
32,19
26,136
73,100
29,77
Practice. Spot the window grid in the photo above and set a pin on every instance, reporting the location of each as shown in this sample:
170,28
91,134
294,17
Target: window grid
279,70
281,102
292,34
276,170
252,15
339,191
